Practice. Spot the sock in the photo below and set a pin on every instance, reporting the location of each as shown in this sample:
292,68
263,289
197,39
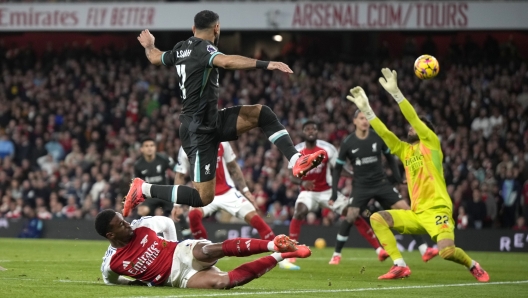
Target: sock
364,229
295,229
456,255
400,262
342,236
277,256
276,133
385,236
145,189
420,243
293,160
249,271
243,247
263,229
197,228
378,250
179,194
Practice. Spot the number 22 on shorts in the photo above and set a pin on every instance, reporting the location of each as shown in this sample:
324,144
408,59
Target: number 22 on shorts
442,219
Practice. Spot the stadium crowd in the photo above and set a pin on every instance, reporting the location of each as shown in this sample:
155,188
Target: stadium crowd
71,120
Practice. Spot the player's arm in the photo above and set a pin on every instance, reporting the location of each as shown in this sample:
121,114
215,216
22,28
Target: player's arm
390,84
146,39
159,224
240,62
391,160
358,96
238,177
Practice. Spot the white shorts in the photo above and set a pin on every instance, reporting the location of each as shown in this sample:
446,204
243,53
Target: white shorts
232,201
184,265
319,199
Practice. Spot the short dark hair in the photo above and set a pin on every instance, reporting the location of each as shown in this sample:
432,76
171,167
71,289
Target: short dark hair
356,113
102,221
205,19
310,122
428,123
146,139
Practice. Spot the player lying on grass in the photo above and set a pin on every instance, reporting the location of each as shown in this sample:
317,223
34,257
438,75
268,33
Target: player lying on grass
138,252
431,207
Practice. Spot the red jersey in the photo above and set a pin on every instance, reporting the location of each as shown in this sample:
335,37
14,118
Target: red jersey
322,174
147,257
223,179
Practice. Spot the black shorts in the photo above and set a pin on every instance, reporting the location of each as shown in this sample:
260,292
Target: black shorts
202,148
386,194
154,204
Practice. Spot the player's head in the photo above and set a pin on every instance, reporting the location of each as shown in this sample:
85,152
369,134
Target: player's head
207,21
360,121
412,136
310,130
112,226
148,147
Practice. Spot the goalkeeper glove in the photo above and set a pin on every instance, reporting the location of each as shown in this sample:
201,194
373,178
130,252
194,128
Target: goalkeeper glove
358,96
390,84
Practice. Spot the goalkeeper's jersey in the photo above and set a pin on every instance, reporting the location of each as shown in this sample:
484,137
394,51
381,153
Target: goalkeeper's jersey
422,162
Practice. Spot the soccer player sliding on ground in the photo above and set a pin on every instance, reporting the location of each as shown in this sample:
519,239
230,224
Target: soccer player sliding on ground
203,126
138,252
431,207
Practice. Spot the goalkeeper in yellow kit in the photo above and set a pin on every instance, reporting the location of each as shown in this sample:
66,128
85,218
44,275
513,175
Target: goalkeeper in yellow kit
431,207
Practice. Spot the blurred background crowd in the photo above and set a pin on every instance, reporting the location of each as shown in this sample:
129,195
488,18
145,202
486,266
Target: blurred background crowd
71,118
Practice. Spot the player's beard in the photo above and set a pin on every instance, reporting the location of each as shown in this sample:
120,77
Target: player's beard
217,39
412,138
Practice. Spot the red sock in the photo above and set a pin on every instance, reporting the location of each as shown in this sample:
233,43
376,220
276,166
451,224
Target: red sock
295,229
195,223
249,271
366,231
243,247
263,229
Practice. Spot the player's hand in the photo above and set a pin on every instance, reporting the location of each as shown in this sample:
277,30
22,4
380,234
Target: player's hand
358,96
273,65
146,39
176,212
332,199
308,184
389,82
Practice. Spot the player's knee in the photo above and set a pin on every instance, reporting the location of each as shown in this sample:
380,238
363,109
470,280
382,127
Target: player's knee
198,200
379,218
447,253
220,282
351,217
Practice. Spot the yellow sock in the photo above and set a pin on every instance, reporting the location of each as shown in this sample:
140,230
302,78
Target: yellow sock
385,236
456,255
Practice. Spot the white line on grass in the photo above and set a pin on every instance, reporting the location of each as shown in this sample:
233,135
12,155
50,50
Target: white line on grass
337,290
78,281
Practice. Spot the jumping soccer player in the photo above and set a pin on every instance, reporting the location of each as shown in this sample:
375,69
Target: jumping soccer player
203,127
227,198
363,149
431,206
138,252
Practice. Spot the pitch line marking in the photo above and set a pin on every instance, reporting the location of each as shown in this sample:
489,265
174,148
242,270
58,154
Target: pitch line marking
335,291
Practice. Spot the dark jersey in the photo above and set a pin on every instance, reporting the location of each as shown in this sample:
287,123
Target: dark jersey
154,172
365,156
198,80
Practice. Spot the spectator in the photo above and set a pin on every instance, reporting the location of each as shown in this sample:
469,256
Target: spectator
477,210
6,146
520,225
462,219
33,228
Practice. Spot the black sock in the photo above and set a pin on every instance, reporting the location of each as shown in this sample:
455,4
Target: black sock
276,133
342,236
184,194
419,239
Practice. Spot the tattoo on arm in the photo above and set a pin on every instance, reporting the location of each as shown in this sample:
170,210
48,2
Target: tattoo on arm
236,174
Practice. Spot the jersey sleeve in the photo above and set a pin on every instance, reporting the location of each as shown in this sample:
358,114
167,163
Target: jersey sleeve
391,140
182,165
137,171
426,135
229,155
332,155
109,276
170,58
342,155
159,224
205,53
170,163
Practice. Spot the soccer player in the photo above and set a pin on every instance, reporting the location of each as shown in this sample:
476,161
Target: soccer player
431,207
203,126
138,252
227,198
363,149
152,167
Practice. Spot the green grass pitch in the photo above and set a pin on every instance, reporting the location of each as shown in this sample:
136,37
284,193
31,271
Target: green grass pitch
70,268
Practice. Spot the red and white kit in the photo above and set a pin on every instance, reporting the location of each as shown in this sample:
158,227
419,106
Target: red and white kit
150,258
226,196
322,178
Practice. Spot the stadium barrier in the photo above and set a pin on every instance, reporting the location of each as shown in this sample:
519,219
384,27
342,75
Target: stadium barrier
474,240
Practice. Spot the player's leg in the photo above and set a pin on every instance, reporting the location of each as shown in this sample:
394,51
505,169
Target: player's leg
403,221
440,225
195,222
389,197
244,118
303,205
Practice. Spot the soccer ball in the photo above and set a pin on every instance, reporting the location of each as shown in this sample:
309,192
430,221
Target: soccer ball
426,67
320,243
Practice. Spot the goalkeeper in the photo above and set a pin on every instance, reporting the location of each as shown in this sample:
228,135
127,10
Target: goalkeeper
431,207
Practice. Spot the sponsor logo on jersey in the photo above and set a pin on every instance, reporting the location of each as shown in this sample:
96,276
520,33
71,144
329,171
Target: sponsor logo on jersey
154,179
145,260
355,150
211,49
144,241
366,160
